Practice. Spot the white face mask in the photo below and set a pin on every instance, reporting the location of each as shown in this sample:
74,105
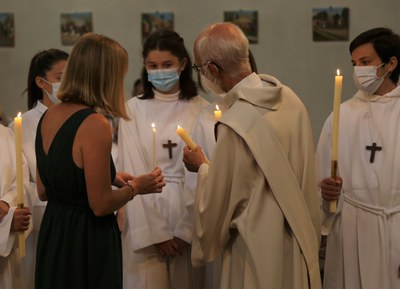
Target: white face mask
53,95
211,87
366,80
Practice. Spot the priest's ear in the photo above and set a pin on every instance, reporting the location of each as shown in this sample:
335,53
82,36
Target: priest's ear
214,68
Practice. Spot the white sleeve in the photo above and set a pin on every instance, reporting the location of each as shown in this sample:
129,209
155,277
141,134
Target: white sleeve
323,167
6,237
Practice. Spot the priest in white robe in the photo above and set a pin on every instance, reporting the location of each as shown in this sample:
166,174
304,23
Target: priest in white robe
363,245
204,136
256,202
12,220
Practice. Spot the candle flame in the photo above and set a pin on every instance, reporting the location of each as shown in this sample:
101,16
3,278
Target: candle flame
216,107
337,72
153,125
179,126
19,114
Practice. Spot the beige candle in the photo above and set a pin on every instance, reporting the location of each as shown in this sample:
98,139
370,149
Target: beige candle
335,130
188,140
185,137
20,180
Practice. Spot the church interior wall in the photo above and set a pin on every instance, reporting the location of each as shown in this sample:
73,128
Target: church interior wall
285,47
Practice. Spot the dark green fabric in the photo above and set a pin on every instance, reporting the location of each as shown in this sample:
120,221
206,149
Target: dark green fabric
76,249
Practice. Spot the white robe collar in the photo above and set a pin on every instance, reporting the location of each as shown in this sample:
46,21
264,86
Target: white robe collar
166,97
40,107
378,98
252,87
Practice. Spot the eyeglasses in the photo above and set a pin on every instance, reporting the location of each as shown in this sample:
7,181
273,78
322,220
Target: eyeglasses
197,67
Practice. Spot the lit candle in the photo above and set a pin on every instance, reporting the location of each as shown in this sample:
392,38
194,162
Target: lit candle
188,140
154,145
217,113
20,181
335,130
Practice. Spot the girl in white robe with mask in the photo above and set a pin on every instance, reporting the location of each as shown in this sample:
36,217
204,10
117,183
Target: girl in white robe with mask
12,220
363,243
45,72
155,237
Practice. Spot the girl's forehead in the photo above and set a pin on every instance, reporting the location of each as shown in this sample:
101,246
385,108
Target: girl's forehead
160,56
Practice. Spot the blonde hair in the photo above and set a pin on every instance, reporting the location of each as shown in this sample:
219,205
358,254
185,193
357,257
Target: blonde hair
94,74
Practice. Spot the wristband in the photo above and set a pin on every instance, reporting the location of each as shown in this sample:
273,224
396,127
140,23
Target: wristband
132,190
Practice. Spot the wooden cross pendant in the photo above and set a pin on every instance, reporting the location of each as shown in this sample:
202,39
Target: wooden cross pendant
169,146
373,149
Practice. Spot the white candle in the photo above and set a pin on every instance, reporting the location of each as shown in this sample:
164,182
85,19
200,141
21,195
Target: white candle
154,144
335,130
217,113
19,177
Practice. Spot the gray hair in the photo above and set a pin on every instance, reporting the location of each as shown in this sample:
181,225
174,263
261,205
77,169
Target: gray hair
225,45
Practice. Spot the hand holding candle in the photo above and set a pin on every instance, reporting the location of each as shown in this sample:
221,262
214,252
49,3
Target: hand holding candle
335,130
19,177
217,113
154,144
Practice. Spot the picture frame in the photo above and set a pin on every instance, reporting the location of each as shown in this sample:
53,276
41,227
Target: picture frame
152,22
330,24
7,30
74,25
247,20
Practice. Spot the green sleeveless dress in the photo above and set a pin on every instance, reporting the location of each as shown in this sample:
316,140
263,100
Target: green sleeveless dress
76,249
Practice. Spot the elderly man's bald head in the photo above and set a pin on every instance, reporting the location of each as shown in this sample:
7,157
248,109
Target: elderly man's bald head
225,45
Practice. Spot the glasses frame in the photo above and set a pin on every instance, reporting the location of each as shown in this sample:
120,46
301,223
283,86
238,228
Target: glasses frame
198,67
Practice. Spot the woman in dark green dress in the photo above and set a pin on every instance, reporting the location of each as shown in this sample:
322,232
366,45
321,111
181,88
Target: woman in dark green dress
79,241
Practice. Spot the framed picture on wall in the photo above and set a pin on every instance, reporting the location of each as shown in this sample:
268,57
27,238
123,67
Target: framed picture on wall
246,20
154,21
330,24
74,25
7,30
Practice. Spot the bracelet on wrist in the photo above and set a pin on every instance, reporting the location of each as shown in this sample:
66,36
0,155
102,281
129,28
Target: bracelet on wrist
132,190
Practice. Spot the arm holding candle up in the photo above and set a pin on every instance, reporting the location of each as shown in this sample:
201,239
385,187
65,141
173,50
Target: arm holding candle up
194,158
331,188
12,219
8,182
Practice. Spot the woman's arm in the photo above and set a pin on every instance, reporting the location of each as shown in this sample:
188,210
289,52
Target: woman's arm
92,150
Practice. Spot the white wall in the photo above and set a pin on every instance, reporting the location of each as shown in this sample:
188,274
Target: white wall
285,49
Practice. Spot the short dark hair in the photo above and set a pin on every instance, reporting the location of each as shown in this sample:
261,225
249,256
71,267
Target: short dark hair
168,40
386,44
41,62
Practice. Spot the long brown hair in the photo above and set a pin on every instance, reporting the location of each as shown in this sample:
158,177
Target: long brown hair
95,74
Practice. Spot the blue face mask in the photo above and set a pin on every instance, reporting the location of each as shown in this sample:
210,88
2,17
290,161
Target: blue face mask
163,79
